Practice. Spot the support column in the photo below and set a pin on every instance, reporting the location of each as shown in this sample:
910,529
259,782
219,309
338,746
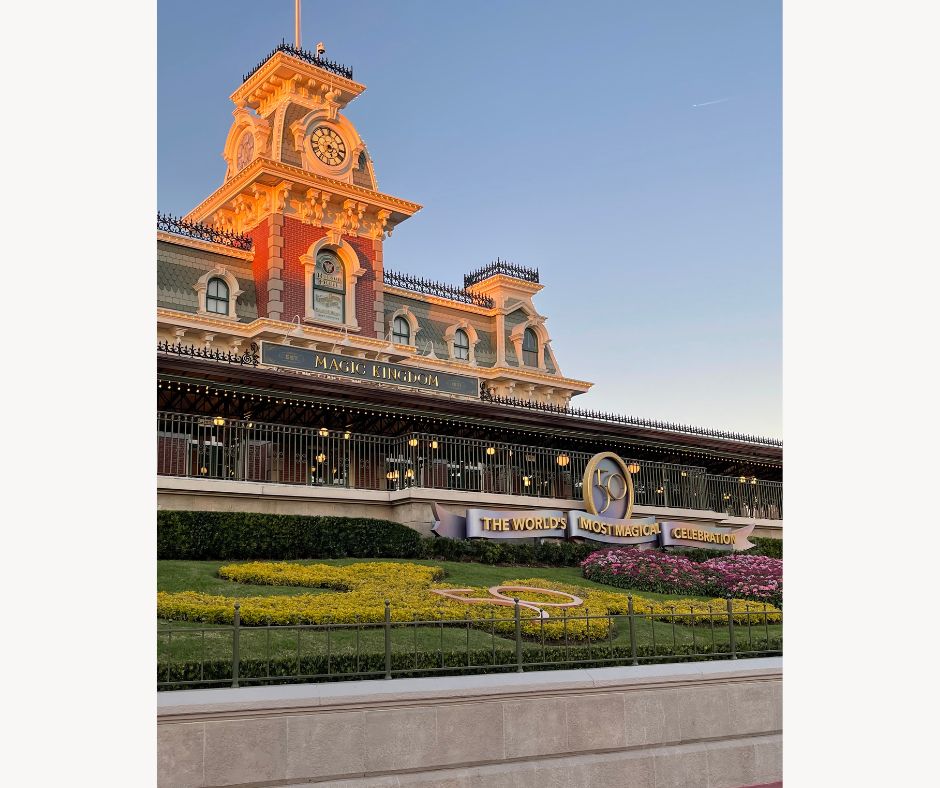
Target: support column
500,340
276,267
379,287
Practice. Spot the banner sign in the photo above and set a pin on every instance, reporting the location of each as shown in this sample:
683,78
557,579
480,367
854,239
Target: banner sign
515,525
363,369
710,536
608,498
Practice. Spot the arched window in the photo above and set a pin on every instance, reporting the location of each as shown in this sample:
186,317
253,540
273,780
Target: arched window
217,296
401,331
530,348
461,345
329,288
362,160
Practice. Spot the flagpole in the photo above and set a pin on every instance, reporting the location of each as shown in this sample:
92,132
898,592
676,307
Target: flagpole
297,24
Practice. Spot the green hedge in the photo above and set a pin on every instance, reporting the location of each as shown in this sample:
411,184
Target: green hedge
343,667
222,536
202,536
483,551
772,548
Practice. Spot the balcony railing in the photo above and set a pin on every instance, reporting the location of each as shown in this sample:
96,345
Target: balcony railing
501,267
244,450
302,54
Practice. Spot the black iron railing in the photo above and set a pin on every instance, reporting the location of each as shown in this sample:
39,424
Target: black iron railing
203,232
419,284
250,356
503,267
308,57
595,415
389,647
243,449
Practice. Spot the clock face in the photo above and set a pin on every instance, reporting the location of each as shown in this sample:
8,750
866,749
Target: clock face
328,146
246,147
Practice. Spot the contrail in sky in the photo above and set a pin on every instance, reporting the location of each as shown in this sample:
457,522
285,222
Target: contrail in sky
706,103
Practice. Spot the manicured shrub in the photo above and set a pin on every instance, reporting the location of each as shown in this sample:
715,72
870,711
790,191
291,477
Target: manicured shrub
201,536
772,548
361,589
204,536
351,667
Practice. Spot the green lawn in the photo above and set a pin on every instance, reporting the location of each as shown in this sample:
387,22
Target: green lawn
182,641
202,576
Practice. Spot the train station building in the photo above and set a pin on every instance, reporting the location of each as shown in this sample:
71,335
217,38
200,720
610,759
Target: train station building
296,373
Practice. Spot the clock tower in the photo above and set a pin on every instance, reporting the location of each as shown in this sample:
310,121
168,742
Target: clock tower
300,181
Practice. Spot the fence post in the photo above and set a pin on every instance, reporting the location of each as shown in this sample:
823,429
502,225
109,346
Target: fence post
518,637
388,640
734,654
236,631
632,630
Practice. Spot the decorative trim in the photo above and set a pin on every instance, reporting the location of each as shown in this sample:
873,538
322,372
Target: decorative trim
430,287
228,190
450,334
202,232
537,323
437,300
504,268
413,326
204,246
234,291
352,270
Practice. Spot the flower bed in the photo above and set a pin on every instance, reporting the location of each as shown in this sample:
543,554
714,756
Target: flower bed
744,576
358,594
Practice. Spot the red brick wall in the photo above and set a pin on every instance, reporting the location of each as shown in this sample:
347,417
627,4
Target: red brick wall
298,238
259,266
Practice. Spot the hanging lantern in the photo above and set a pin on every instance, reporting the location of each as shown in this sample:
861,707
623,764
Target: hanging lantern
409,474
433,444
412,442
346,435
526,481
218,421
324,432
563,460
321,457
490,450
633,468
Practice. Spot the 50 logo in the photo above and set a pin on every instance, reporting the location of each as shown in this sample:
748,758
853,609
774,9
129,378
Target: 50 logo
608,486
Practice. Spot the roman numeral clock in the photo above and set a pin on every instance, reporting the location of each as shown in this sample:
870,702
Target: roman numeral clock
328,146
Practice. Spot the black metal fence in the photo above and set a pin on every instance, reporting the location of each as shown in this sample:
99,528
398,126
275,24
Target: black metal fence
302,54
503,267
418,284
237,655
202,232
245,450
248,357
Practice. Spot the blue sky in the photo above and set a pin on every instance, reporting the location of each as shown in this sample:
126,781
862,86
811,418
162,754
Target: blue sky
558,135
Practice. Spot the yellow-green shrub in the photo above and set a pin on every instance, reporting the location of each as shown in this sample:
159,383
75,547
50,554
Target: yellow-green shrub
360,590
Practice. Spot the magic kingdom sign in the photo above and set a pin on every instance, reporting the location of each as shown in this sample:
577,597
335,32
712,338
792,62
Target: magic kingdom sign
608,506
367,370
